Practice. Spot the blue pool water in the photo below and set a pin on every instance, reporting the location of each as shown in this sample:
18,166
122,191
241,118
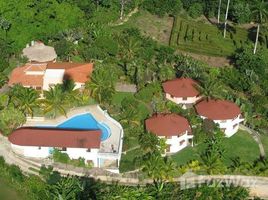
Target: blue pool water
86,122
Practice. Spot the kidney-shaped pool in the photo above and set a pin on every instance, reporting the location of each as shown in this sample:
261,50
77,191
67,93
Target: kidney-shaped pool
85,122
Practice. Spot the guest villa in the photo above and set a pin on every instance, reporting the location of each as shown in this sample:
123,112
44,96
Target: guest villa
174,128
181,91
224,113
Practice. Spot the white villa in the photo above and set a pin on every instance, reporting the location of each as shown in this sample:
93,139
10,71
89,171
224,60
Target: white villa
42,76
181,91
174,128
224,113
37,139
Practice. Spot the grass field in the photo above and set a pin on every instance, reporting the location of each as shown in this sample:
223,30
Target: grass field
203,38
7,192
241,144
194,36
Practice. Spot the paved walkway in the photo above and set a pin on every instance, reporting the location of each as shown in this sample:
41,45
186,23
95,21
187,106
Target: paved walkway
256,137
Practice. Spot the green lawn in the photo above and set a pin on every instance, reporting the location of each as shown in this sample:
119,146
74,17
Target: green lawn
189,35
241,144
127,162
119,96
7,192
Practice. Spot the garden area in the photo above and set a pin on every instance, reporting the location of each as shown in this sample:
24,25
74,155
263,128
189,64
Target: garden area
239,145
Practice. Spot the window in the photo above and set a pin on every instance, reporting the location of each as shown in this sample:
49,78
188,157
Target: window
223,130
234,126
61,148
223,121
168,137
182,142
39,148
88,150
184,98
38,88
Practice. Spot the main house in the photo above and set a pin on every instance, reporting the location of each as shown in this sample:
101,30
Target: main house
224,113
181,91
41,142
174,128
42,76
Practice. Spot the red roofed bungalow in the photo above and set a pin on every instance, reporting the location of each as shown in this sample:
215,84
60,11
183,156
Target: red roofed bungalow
41,142
174,128
42,76
225,113
181,91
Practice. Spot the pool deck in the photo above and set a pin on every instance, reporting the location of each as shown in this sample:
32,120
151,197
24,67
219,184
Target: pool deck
101,116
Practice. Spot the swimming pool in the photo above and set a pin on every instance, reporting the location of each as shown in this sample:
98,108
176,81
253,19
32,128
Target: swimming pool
85,122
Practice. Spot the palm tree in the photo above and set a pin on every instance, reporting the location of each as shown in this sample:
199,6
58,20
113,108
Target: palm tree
72,95
226,16
102,85
219,11
210,89
260,13
25,99
3,79
66,189
55,101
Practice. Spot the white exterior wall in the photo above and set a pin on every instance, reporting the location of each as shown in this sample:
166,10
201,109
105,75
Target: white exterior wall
231,126
75,153
179,100
175,142
33,152
43,152
53,76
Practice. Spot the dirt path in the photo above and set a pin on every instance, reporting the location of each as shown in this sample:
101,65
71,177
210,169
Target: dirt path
126,18
214,61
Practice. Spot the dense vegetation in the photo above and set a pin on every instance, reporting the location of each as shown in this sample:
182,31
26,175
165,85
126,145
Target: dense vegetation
86,31
50,185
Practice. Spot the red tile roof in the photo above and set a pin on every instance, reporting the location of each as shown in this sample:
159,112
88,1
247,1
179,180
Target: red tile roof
181,87
79,72
218,109
47,137
167,125
18,76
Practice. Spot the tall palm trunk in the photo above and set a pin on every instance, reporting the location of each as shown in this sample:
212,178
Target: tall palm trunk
219,11
257,38
122,2
226,16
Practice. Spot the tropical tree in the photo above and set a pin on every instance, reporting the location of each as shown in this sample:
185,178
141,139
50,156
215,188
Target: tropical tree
210,89
3,79
219,11
212,157
72,95
102,85
54,101
66,189
226,16
25,99
260,13
10,119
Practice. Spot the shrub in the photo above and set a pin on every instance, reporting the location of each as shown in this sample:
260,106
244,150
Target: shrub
60,157
195,10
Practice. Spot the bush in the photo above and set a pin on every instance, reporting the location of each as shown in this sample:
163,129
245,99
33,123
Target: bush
60,157
195,10
241,13
160,7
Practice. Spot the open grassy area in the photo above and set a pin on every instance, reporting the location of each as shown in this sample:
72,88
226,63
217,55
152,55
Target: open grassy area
203,38
7,192
191,35
241,144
